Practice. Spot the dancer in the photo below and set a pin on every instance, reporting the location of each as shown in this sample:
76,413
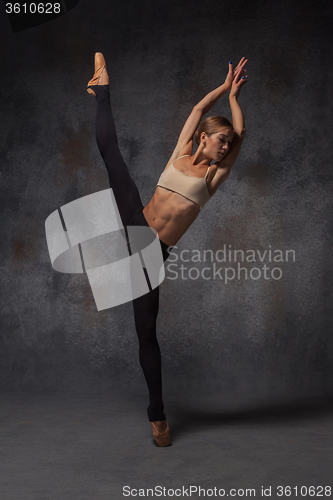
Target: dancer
184,187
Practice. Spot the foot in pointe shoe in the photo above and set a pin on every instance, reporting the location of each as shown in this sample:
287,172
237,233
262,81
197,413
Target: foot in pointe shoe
161,433
101,76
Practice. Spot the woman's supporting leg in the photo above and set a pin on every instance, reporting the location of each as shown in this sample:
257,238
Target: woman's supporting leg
145,315
124,188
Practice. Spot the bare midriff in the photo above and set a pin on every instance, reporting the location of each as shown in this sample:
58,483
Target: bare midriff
170,214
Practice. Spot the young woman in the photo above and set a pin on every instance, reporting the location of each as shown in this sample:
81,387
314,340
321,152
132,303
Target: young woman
186,184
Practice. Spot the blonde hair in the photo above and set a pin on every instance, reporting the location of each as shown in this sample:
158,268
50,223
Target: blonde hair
211,125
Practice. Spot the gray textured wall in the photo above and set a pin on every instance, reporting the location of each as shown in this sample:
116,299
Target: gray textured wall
264,338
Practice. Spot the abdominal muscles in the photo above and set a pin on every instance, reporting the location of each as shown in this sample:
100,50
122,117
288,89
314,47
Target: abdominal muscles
171,214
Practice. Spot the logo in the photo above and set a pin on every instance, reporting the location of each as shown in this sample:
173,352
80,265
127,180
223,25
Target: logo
87,236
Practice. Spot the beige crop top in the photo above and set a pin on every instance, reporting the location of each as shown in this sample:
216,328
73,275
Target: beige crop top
189,186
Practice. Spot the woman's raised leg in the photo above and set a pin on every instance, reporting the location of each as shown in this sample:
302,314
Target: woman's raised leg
124,188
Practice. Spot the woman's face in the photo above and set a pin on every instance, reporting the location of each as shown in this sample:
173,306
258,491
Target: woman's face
217,145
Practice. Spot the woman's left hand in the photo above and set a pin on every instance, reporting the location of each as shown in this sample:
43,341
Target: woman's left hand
234,72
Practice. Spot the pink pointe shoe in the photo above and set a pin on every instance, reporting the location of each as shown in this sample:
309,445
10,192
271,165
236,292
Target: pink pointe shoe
161,438
100,66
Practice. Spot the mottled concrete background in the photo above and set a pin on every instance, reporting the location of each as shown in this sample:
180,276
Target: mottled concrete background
260,338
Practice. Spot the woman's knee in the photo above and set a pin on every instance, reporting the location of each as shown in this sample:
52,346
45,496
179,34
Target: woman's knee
146,329
108,146
147,340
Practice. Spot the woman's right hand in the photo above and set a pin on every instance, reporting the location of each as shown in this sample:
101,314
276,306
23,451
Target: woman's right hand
233,72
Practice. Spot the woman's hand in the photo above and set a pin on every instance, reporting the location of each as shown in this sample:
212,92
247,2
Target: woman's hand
239,80
233,72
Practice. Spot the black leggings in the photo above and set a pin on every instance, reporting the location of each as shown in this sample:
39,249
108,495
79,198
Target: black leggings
130,208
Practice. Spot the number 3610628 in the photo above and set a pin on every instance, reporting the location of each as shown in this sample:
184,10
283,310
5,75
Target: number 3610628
33,8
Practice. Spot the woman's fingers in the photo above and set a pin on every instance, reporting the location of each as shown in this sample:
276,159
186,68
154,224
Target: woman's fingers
239,80
238,74
242,81
239,71
241,63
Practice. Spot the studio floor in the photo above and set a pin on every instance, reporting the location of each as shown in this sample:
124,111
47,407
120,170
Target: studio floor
70,447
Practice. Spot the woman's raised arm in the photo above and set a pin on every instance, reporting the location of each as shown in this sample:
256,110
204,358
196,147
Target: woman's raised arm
224,166
186,136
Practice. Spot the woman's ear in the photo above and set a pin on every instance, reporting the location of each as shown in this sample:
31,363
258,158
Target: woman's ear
203,138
